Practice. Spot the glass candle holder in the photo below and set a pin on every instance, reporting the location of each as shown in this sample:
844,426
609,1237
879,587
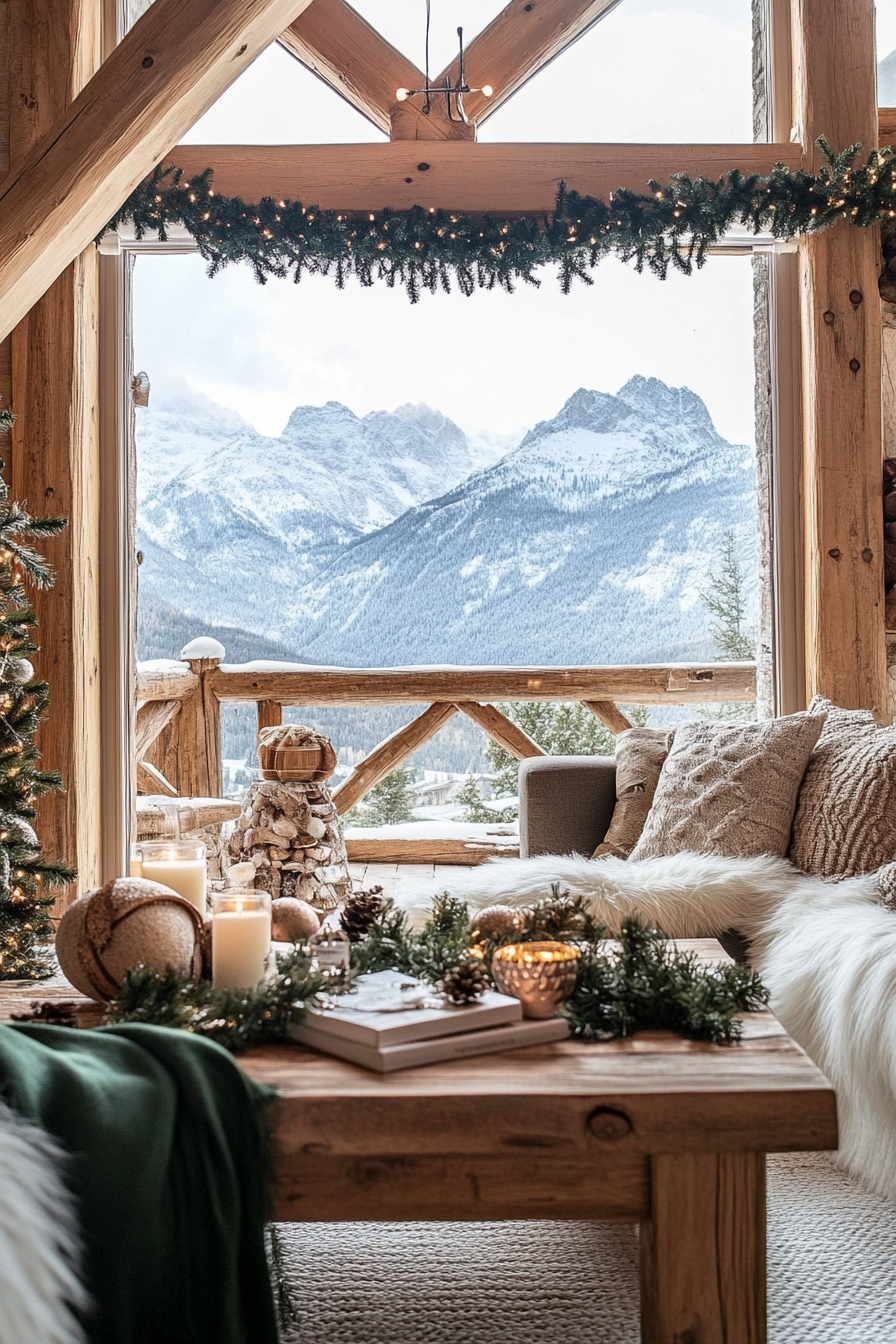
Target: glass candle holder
241,937
178,864
540,975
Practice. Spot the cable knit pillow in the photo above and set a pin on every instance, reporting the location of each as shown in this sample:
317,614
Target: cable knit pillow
845,821
640,753
730,789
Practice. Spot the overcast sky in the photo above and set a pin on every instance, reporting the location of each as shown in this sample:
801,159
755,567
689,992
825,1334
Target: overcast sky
654,70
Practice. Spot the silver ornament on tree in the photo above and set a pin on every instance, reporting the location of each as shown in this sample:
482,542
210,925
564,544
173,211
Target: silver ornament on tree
17,670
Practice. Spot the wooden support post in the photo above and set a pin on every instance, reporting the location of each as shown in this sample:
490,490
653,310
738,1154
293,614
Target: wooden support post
609,714
54,51
389,755
703,1250
502,730
840,317
201,773
270,714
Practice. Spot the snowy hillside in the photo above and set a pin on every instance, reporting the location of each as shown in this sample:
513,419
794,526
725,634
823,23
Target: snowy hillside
230,519
377,541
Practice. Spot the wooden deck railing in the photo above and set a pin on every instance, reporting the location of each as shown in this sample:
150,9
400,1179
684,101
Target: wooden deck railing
178,733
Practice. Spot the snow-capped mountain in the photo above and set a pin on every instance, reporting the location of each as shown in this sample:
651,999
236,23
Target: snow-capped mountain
590,543
377,541
231,519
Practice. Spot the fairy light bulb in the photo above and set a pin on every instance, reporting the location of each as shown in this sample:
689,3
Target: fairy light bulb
487,90
401,94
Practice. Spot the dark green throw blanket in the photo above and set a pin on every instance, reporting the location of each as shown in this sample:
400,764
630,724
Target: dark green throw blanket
166,1136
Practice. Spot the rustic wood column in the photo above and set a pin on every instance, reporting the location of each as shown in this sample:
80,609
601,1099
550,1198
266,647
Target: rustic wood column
703,1250
836,96
55,46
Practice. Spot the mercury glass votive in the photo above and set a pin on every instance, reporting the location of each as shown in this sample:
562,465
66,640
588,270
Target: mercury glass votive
540,975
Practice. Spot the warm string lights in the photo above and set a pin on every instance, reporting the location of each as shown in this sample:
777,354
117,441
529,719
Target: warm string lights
674,226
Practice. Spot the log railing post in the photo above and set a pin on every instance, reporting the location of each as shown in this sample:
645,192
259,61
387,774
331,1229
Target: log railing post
270,714
200,724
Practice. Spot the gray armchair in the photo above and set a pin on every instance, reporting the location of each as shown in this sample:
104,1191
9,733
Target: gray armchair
566,803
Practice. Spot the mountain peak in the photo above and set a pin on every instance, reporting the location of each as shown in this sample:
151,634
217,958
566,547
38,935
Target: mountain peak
333,414
653,399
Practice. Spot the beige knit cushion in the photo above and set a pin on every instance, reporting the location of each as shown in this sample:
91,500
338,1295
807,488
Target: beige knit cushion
730,789
640,753
845,821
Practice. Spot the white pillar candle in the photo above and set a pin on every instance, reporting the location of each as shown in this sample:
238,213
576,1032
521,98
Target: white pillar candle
241,938
179,865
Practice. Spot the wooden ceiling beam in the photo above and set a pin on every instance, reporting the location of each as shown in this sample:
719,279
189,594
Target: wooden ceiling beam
519,42
347,53
510,179
176,60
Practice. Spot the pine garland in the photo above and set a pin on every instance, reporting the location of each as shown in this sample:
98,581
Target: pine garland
26,877
641,983
236,1018
674,226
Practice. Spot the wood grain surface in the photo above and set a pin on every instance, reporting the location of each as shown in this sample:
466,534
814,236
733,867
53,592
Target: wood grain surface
670,684
509,179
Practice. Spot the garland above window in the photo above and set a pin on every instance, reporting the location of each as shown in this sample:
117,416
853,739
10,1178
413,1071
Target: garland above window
674,226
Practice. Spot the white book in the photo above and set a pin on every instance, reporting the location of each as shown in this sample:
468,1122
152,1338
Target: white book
509,1036
387,1008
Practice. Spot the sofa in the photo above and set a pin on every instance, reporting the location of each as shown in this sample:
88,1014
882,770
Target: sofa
566,803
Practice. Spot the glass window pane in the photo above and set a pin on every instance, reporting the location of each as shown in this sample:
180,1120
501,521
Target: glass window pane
520,479
278,102
885,18
661,71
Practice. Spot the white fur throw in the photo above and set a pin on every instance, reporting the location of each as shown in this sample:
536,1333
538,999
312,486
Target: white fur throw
685,895
827,952
39,1239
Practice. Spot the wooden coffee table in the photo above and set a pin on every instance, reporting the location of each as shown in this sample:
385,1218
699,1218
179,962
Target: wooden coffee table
653,1130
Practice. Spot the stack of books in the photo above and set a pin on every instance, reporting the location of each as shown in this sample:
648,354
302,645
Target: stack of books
391,1021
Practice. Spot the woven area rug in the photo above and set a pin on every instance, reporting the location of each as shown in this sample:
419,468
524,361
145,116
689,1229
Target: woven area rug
831,1269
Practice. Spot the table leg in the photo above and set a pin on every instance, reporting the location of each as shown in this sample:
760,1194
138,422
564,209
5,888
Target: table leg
703,1250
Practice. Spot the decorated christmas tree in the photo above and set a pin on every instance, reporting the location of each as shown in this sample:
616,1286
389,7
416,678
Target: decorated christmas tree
26,877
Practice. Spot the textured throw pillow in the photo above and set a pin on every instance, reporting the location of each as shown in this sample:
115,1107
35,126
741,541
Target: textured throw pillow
730,789
640,753
845,821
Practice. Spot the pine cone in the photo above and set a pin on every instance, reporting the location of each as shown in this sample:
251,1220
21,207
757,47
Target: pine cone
361,912
464,982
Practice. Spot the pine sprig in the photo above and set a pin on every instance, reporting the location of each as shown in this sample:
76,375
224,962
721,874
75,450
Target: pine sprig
235,1018
650,985
673,226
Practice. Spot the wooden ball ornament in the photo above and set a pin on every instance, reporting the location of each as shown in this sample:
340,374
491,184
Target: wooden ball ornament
293,920
495,920
128,922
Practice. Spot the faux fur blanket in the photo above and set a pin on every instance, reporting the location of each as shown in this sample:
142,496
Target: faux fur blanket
40,1238
826,951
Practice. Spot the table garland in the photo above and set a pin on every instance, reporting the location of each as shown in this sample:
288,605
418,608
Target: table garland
640,982
674,226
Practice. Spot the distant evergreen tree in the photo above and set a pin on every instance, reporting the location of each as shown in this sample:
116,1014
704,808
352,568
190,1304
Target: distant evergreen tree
561,729
390,803
726,600
475,809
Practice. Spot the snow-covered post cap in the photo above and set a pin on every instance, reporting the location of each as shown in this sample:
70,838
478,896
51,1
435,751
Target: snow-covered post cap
202,648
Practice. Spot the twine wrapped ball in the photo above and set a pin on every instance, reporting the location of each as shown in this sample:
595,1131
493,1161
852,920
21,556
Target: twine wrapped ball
294,920
128,922
292,751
